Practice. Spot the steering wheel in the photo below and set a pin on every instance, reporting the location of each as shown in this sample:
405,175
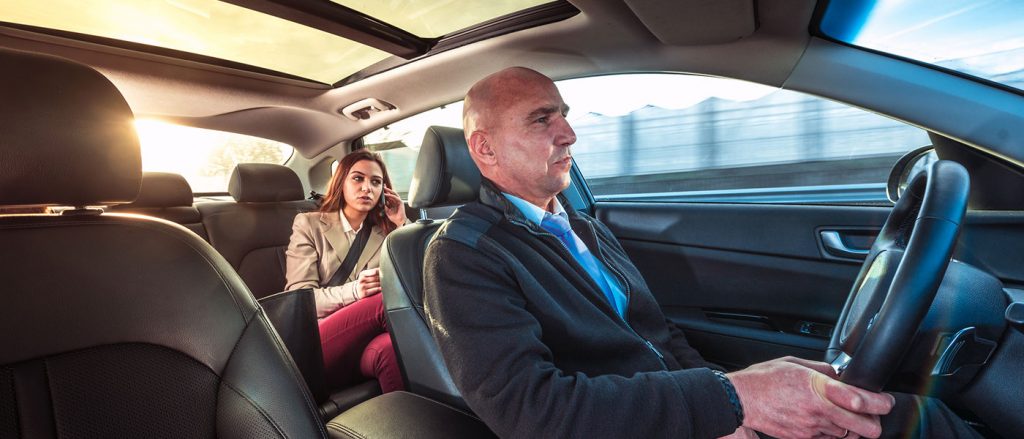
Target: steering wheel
899,278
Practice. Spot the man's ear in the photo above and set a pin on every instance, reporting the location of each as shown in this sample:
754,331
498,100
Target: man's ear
480,148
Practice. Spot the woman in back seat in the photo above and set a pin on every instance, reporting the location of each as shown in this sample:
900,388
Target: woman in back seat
353,331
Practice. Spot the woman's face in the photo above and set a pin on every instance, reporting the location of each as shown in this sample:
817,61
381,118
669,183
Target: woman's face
363,186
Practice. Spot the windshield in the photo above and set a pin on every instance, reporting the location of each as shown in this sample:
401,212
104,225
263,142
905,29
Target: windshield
983,38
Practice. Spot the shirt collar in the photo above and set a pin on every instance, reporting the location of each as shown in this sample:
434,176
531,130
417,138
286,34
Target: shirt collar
532,212
345,225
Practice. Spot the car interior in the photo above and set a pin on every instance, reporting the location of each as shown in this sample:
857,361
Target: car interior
790,177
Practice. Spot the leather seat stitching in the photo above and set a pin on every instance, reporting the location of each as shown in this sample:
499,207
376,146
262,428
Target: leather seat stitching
257,407
444,405
297,379
344,429
248,325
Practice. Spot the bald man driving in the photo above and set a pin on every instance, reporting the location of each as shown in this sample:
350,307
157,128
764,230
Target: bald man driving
549,330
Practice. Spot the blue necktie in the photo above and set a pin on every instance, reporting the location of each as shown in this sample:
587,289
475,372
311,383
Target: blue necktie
558,225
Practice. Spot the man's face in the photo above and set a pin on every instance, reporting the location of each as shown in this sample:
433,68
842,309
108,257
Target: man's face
531,140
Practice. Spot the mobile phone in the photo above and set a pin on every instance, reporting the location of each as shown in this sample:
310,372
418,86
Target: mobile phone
383,203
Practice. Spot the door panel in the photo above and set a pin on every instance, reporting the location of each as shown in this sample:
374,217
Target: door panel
751,282
781,230
746,282
756,284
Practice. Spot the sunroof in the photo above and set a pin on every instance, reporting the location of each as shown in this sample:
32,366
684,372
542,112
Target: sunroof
205,27
242,35
434,18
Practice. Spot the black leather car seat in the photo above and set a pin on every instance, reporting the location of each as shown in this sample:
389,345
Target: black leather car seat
117,325
253,231
445,175
166,196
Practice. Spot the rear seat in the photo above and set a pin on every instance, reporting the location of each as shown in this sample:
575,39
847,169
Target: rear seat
166,196
252,232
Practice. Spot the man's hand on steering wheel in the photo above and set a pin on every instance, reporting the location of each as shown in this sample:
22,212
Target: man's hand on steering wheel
795,398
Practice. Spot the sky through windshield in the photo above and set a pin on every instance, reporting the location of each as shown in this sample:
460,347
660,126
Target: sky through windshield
984,38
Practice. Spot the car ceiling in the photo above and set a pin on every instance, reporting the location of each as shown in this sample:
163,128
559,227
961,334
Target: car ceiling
758,41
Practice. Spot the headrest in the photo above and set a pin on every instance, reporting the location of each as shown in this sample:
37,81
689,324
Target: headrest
445,174
264,182
66,135
163,189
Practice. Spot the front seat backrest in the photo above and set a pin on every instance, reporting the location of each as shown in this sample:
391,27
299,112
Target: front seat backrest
118,325
445,175
166,196
252,232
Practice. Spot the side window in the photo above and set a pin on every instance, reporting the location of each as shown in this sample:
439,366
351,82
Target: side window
673,137
204,157
399,143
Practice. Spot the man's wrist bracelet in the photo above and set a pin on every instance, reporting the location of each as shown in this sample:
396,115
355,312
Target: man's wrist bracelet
730,391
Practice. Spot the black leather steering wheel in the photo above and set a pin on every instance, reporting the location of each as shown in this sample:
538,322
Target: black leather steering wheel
902,272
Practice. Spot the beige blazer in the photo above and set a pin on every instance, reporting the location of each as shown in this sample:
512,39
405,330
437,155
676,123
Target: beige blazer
318,246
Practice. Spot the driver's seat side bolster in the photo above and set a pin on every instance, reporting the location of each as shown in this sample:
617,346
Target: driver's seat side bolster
445,175
401,271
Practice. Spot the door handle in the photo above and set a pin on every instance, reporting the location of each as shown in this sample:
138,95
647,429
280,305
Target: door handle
835,246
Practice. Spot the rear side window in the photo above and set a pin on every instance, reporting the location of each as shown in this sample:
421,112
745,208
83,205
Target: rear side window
399,143
204,157
672,137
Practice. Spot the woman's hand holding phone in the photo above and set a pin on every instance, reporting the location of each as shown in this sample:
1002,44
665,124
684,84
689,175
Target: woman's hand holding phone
394,208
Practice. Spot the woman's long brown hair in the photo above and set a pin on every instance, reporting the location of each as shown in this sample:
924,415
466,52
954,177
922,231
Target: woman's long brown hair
334,200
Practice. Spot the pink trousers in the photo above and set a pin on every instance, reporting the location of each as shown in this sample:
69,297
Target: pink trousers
357,346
